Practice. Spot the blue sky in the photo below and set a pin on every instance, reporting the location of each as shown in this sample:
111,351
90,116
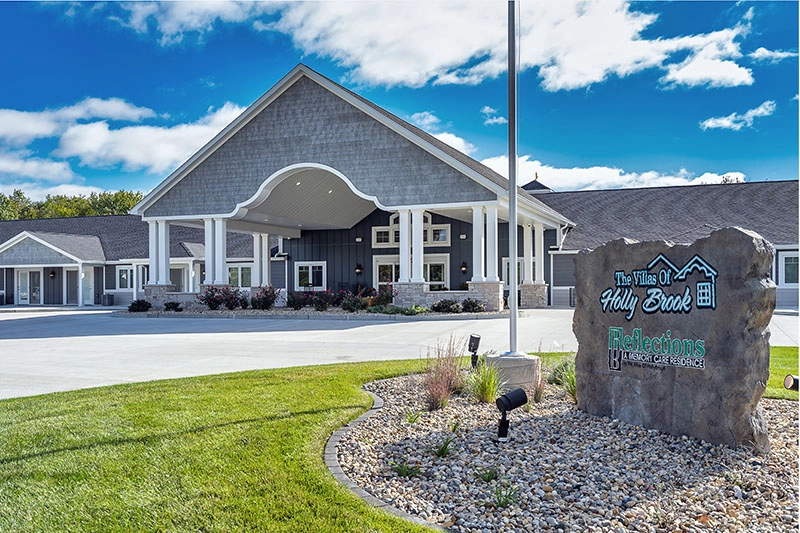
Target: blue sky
106,96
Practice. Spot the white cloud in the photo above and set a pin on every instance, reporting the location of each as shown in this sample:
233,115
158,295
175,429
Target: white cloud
21,127
592,178
173,20
151,148
402,43
19,165
456,142
425,120
735,121
772,56
490,117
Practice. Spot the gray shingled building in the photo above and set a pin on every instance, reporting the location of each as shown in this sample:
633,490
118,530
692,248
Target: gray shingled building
315,188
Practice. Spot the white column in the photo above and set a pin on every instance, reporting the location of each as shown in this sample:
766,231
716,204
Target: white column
163,252
255,272
491,244
478,245
527,254
80,284
220,252
539,238
405,248
417,248
266,269
208,225
153,254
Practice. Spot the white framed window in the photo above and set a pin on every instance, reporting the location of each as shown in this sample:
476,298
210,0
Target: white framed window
505,274
788,269
240,276
435,270
125,278
177,277
310,275
389,236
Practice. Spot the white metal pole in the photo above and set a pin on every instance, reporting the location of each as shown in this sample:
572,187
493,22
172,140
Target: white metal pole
513,281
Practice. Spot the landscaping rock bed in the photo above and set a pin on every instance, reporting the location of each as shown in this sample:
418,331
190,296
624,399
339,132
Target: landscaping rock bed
563,470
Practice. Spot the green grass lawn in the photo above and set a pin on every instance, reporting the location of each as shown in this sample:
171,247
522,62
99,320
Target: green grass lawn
782,360
234,452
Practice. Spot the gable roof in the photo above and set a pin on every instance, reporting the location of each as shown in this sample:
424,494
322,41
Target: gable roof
462,163
115,237
82,247
679,214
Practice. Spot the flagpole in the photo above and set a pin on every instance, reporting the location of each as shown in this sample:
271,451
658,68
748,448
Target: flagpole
513,281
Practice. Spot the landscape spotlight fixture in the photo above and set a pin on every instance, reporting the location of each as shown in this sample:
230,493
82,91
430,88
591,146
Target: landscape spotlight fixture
791,382
474,342
508,402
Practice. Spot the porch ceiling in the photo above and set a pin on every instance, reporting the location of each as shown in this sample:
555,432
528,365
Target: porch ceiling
308,200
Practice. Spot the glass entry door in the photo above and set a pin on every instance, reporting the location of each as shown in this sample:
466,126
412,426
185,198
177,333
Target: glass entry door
29,287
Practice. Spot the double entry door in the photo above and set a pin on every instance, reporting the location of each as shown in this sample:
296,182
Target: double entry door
29,287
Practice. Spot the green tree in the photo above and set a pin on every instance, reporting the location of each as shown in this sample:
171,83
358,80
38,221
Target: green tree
18,206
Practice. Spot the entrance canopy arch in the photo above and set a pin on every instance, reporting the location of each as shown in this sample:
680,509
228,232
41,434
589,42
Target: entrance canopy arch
306,196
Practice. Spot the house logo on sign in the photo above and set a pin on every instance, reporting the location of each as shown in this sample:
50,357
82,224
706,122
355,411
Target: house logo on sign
659,279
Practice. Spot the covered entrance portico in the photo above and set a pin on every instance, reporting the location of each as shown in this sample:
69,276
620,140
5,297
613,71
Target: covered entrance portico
344,183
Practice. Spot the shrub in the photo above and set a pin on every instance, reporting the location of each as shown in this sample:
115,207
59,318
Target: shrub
244,301
173,306
483,383
215,297
385,296
321,301
139,306
471,305
353,302
443,376
415,310
264,298
446,306
295,300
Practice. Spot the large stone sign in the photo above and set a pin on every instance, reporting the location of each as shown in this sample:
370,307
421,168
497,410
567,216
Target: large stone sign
675,337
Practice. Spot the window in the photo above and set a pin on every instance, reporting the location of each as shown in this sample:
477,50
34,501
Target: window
506,273
310,275
788,269
435,270
435,274
176,277
125,278
389,236
239,276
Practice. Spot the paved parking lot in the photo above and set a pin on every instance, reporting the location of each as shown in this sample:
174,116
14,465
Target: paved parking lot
48,351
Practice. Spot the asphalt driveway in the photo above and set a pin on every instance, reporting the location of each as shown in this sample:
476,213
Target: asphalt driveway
49,351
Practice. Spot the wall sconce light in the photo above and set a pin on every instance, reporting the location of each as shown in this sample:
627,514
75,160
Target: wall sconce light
464,267
359,269
474,342
508,402
358,239
791,382
463,236
52,274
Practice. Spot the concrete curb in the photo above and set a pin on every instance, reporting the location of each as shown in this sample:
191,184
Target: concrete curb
331,457
365,317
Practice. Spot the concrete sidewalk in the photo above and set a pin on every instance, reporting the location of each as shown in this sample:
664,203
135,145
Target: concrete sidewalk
56,350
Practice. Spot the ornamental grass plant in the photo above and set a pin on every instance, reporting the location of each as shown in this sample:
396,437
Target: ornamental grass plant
484,383
443,376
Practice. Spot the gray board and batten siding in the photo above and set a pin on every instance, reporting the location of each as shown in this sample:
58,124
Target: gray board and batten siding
310,124
342,253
